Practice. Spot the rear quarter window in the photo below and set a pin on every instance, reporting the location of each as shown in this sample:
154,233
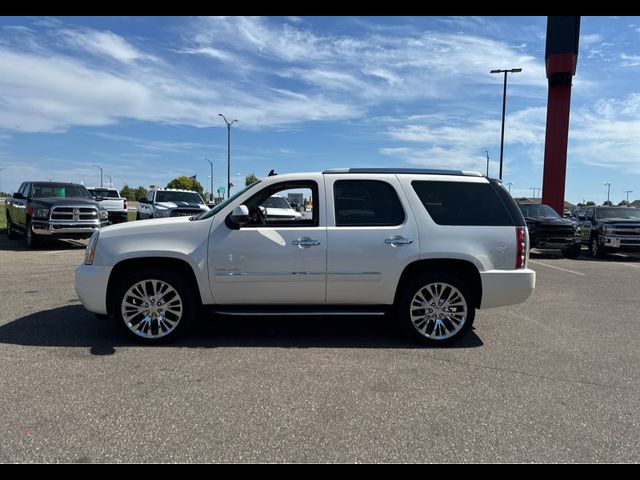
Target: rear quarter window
465,203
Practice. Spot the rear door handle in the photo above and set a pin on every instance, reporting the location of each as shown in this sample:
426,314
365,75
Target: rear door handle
398,241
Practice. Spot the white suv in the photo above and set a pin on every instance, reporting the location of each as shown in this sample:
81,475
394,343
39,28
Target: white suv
427,246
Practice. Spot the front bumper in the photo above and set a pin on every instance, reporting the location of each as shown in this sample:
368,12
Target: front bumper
506,287
621,243
61,228
91,287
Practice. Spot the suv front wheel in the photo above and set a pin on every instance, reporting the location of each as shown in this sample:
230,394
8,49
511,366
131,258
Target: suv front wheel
436,309
154,306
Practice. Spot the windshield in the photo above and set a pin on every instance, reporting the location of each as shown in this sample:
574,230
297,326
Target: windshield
538,211
60,190
97,192
276,202
220,206
621,212
178,197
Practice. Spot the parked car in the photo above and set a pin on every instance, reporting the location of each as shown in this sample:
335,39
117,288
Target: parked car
43,210
428,246
279,208
112,202
170,202
548,231
610,229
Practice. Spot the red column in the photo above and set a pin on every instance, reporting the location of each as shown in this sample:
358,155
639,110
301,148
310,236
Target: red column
555,147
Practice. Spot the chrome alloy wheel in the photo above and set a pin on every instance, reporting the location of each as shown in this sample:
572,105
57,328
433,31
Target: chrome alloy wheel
438,311
151,308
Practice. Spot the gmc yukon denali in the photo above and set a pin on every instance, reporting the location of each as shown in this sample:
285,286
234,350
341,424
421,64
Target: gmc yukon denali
428,247
44,210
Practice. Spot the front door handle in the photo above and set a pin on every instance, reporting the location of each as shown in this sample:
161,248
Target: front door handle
305,242
398,241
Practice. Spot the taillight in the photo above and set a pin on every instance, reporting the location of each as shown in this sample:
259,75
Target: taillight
126,205
521,247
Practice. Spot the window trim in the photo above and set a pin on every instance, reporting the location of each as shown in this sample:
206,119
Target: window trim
274,188
403,219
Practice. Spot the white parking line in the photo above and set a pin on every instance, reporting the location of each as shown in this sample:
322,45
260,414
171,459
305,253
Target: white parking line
557,268
630,265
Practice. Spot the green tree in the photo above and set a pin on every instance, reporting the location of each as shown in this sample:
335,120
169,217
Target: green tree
590,203
139,192
133,193
249,179
186,183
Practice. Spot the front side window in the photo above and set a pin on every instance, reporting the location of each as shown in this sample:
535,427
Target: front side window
360,203
286,204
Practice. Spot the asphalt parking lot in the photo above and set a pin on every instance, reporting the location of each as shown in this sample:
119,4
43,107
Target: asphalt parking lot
553,380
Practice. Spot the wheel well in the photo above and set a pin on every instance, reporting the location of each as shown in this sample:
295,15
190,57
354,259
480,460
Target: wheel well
174,265
464,270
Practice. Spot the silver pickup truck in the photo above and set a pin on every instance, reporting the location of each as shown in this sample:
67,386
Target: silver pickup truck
112,202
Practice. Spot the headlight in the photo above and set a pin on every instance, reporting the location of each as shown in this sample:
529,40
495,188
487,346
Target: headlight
576,228
104,215
91,249
41,213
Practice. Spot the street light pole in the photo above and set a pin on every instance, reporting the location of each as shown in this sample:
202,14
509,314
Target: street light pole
487,162
228,150
101,182
509,185
504,106
109,177
608,184
211,192
626,191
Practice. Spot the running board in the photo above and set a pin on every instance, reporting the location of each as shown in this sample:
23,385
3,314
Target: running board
298,311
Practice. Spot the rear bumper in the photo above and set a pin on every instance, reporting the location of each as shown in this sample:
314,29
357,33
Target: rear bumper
506,287
118,217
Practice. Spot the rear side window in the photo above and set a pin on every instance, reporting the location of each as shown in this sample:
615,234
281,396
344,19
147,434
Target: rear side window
463,203
366,203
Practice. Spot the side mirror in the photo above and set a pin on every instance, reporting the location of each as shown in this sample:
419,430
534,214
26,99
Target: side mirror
582,218
98,198
19,196
239,217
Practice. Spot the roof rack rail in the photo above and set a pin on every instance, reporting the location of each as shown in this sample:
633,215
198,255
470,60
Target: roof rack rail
414,171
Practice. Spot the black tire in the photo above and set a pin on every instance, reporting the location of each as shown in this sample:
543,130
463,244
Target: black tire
138,216
159,320
572,252
435,324
32,240
11,233
595,249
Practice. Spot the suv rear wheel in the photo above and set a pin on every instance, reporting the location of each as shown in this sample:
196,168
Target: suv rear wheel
596,250
436,309
154,306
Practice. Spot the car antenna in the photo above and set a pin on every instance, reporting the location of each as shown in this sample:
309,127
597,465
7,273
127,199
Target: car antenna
272,173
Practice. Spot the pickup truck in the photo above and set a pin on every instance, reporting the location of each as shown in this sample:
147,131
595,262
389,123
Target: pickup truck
549,231
608,229
427,247
112,202
53,209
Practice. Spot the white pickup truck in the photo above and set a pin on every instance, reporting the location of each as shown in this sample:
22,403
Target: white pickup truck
112,202
427,246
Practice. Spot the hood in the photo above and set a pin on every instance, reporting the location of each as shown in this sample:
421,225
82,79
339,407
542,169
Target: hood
549,221
154,226
64,202
625,221
182,205
283,212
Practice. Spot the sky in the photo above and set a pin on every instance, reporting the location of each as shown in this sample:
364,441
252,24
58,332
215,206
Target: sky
139,98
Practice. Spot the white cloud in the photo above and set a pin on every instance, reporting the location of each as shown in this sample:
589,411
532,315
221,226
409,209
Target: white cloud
103,44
